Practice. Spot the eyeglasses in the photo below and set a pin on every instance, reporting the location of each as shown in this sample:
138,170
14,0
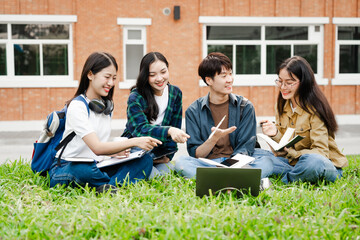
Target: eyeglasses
279,83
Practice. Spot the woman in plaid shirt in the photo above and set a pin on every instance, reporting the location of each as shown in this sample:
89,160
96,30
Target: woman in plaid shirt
155,109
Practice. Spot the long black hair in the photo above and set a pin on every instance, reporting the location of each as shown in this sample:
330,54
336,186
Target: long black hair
96,62
309,93
143,86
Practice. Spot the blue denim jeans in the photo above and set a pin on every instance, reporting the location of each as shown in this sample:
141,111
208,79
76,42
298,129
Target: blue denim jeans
310,168
157,169
83,173
186,165
161,169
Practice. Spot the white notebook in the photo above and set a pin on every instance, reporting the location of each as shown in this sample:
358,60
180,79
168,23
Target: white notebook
237,161
109,161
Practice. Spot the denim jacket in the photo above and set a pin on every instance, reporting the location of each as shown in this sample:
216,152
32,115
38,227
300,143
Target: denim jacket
199,121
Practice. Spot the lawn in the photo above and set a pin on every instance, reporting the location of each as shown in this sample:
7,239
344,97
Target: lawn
167,208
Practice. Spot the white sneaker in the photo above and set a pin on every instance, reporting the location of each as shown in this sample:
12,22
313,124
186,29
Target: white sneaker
265,183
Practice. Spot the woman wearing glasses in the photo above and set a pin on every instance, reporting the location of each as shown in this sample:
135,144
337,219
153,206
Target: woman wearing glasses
302,105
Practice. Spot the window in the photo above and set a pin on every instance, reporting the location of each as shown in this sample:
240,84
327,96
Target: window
3,70
347,51
134,46
3,35
35,52
256,46
134,51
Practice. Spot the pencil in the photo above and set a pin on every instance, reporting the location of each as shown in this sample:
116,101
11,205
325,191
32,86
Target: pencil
217,127
264,122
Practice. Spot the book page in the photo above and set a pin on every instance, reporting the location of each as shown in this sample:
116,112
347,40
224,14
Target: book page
242,160
287,136
239,159
283,141
267,139
211,162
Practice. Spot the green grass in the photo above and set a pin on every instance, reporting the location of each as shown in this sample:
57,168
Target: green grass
167,208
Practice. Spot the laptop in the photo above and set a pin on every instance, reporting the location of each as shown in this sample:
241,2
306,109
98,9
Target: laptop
219,180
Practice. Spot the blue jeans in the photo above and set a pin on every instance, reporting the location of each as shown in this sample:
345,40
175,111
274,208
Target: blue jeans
157,169
186,165
161,169
310,168
83,173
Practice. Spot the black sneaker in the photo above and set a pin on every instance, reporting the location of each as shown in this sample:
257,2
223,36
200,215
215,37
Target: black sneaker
106,187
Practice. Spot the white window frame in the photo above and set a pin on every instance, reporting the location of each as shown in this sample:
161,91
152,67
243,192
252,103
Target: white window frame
344,78
264,79
132,24
41,81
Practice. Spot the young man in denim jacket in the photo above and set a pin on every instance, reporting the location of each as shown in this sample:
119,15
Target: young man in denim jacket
237,132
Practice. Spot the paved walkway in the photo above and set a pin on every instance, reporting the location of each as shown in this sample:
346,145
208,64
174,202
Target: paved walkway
16,140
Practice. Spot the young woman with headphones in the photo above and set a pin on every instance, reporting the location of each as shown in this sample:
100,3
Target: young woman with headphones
92,128
155,109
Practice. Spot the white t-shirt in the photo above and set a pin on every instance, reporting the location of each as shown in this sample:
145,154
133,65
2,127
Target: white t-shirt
162,102
292,108
79,121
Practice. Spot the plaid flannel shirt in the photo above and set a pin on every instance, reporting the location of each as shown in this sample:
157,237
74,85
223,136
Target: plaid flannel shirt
138,125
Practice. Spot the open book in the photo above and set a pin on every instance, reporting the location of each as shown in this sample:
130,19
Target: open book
109,161
237,161
286,140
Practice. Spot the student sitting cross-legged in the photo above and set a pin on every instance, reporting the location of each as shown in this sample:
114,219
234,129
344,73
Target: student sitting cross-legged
155,109
92,129
236,134
301,105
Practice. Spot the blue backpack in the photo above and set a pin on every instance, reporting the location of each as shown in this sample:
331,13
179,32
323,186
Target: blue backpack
49,143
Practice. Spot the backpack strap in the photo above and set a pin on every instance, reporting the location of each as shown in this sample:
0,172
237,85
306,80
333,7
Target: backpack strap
242,106
82,99
63,145
70,137
65,141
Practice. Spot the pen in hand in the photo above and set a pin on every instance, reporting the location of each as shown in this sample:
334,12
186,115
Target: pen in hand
217,127
261,124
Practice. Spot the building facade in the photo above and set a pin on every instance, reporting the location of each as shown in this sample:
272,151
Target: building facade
44,44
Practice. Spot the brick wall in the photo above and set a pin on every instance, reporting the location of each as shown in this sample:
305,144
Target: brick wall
180,41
